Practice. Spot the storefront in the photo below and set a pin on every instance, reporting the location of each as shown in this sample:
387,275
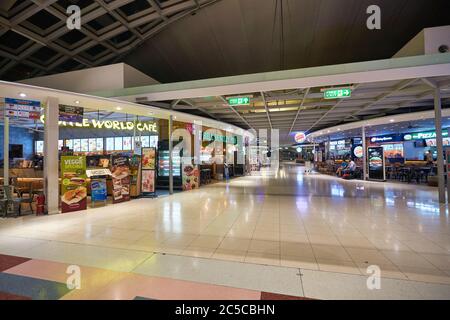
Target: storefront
118,157
393,147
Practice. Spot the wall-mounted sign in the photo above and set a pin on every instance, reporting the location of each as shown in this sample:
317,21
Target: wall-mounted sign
375,157
388,138
110,124
337,93
238,101
358,151
423,135
300,137
208,136
23,108
70,113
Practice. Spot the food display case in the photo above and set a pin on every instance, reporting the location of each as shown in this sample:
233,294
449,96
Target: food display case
163,167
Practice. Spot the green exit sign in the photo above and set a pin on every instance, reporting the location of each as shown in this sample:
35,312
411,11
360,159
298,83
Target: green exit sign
337,93
239,101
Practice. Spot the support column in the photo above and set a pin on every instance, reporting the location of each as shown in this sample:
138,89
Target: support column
5,150
51,161
364,153
170,156
439,144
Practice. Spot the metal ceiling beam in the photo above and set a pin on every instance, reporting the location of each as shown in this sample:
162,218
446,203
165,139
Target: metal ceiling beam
267,110
299,108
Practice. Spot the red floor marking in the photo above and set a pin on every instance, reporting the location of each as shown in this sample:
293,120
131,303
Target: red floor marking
9,296
276,296
7,262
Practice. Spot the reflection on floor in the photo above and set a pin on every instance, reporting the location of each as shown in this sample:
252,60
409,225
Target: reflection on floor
283,232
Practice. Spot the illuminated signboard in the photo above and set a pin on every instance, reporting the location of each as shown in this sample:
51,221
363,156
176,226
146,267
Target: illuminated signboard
110,124
207,136
423,135
238,101
337,93
300,137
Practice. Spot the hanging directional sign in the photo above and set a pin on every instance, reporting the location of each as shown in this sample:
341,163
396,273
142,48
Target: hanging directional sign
238,101
337,93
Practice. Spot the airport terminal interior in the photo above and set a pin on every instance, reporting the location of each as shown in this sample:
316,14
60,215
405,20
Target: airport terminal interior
224,150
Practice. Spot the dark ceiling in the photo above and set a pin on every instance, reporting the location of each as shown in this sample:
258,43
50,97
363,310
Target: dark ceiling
174,40
235,37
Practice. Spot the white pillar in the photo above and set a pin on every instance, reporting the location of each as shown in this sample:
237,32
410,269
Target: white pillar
170,157
6,150
51,162
439,144
364,153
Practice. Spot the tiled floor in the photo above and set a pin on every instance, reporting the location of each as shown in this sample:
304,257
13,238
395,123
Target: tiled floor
313,225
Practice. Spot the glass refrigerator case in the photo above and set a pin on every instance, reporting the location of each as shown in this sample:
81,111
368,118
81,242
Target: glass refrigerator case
163,164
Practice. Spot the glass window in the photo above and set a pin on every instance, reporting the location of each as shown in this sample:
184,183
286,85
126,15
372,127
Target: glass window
84,145
154,141
60,144
109,144
126,143
93,145
69,143
118,143
39,146
76,145
99,144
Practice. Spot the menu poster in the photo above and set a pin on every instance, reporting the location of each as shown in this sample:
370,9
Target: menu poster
98,189
73,186
148,158
148,181
148,171
190,177
120,171
375,156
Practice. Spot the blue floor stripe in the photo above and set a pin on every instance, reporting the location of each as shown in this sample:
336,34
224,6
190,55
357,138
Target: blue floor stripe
36,289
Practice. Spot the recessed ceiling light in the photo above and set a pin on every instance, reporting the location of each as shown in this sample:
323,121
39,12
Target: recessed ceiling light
77,101
392,120
118,108
22,95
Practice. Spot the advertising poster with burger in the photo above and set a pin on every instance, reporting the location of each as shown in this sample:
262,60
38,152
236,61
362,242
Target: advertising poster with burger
376,163
191,177
120,172
73,186
148,171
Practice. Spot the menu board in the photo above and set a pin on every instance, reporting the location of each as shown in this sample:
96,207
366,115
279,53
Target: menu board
109,144
121,178
126,143
73,183
191,177
93,144
84,145
118,143
148,171
375,157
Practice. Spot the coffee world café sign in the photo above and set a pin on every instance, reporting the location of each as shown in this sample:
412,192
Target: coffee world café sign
109,124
